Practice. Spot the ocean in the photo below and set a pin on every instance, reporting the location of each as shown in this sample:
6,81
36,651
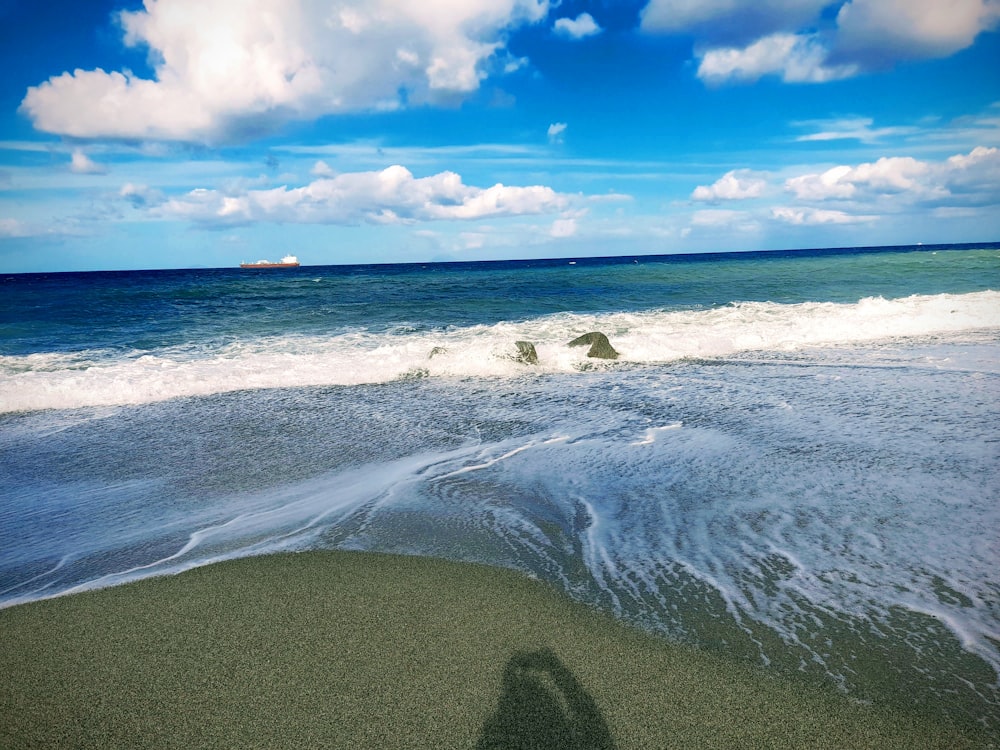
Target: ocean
795,459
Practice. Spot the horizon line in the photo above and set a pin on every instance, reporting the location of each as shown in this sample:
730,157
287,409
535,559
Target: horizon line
575,260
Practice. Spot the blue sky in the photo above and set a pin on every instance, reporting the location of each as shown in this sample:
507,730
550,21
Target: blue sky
199,133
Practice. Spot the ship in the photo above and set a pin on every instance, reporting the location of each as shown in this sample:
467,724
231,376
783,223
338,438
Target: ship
289,261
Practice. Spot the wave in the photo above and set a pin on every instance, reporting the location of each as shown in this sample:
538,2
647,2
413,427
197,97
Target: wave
62,380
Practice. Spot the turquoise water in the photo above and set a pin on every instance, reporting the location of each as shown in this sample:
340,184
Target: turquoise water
146,310
794,460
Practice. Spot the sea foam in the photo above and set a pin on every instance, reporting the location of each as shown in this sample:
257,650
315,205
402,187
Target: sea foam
833,508
65,380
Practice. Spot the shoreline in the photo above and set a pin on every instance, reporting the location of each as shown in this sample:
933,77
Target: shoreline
358,649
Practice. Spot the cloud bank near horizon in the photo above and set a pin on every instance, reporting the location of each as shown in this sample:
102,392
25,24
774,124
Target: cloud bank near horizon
854,194
861,193
390,196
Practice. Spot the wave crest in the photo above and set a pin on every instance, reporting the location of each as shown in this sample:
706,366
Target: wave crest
57,380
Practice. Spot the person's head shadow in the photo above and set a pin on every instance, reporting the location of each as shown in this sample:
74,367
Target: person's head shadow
544,706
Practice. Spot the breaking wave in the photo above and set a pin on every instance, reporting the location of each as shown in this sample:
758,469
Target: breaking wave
62,380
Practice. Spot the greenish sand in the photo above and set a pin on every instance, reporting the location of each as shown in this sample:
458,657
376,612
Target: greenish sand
355,650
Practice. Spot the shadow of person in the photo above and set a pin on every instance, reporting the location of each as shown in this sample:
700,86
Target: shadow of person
544,706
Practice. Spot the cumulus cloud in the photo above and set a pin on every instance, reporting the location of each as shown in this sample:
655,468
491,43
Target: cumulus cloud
795,58
390,196
803,41
900,183
887,175
823,185
581,27
226,69
879,32
322,169
964,177
80,163
974,176
962,185
737,184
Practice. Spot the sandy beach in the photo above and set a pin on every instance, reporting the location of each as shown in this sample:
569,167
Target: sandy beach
353,650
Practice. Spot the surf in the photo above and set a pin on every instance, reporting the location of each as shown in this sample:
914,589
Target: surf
112,377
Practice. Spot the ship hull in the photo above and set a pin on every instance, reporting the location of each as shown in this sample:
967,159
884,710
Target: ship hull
269,265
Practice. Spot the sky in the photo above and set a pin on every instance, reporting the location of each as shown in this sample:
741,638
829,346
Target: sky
203,133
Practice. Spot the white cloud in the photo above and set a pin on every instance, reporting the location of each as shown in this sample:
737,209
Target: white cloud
817,216
513,64
392,195
556,131
321,169
734,185
799,40
887,175
822,186
795,58
899,189
581,27
226,69
882,31
850,128
963,179
978,156
975,175
80,163
962,132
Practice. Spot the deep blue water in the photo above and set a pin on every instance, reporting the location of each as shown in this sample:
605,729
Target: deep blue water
794,459
150,309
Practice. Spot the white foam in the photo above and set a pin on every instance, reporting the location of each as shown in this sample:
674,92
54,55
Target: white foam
269,522
650,435
797,502
107,378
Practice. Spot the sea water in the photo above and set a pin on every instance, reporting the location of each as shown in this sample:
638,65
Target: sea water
794,460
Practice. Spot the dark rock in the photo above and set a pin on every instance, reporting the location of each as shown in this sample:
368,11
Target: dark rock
526,353
600,347
437,350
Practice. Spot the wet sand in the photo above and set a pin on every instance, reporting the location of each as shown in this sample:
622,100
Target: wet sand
359,650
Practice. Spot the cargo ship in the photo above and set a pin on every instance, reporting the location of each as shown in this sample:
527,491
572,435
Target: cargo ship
289,261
